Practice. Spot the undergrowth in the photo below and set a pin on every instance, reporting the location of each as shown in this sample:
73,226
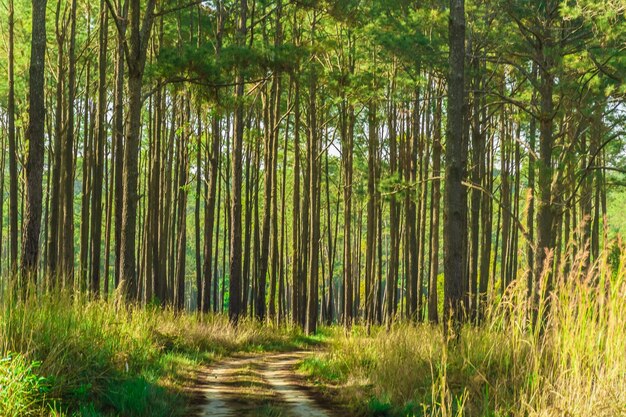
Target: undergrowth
63,355
574,364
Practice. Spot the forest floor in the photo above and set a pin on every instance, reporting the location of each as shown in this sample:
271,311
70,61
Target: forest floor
68,356
259,385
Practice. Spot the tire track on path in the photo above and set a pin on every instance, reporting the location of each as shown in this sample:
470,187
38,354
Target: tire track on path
258,385
279,373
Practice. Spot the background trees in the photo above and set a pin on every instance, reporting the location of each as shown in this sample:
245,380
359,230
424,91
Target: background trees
302,146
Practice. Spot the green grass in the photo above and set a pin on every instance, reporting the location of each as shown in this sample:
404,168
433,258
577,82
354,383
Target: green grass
63,355
269,410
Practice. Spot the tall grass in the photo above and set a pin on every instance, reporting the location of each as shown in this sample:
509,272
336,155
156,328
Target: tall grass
574,364
62,354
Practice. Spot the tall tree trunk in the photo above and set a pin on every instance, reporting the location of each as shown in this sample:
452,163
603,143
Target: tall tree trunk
505,197
256,220
100,139
314,213
454,210
347,130
295,221
370,247
424,272
487,223
2,174
394,215
247,239
35,136
217,236
414,153
88,162
304,239
198,252
267,210
530,211
475,204
55,225
166,227
183,172
13,244
282,282
275,126
155,211
329,306
118,128
379,273
137,46
433,299
227,237
596,134
67,163
209,217
212,170
235,225
545,210
85,214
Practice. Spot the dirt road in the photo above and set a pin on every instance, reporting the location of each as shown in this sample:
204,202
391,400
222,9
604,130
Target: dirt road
258,385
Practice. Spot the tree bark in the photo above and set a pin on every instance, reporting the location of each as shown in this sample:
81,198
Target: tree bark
13,243
235,210
35,136
100,139
118,135
314,213
137,45
295,221
454,211
433,299
183,172
347,130
370,254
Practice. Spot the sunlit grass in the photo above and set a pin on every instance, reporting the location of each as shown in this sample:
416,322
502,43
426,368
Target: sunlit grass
66,355
575,365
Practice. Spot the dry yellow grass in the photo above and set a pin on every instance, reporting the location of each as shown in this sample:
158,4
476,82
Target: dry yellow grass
575,366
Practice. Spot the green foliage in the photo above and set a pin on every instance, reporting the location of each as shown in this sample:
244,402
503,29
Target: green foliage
324,370
21,389
137,397
377,407
616,216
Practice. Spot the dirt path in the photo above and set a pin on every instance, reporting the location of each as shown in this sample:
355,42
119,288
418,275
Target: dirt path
258,385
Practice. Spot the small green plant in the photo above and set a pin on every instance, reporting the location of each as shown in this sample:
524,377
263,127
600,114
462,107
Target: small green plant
21,390
325,370
378,407
269,410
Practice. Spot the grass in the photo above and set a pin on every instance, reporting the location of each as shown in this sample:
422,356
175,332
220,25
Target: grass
575,366
63,355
